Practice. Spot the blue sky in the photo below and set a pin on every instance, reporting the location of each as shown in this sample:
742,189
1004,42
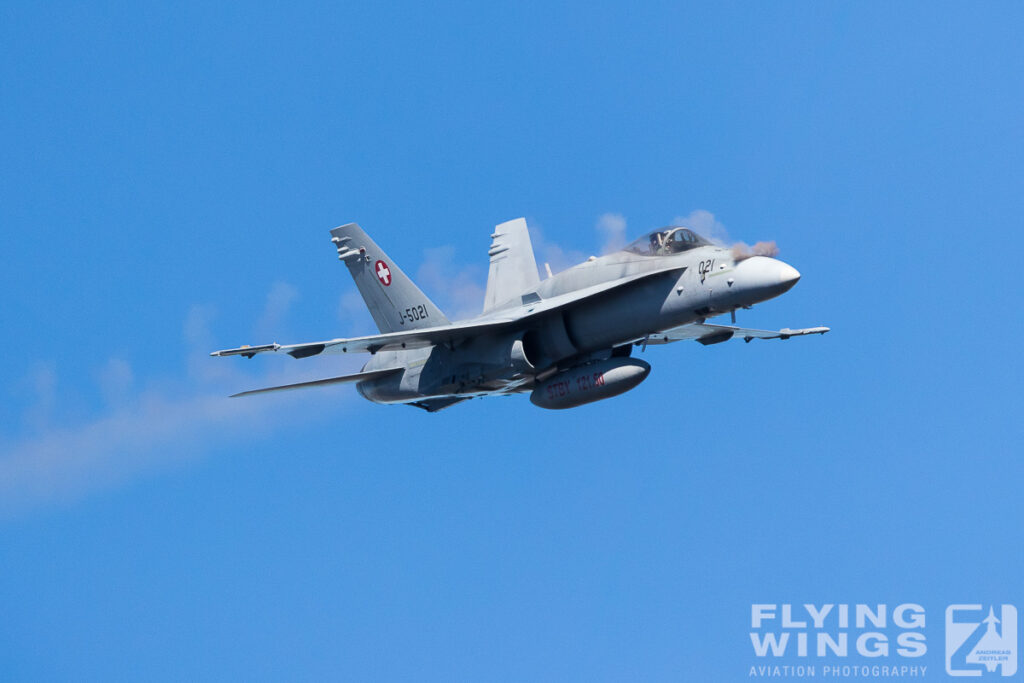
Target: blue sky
169,175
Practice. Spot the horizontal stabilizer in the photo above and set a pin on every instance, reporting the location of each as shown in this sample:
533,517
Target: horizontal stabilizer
344,379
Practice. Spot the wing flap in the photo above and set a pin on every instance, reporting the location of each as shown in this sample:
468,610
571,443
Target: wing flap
344,379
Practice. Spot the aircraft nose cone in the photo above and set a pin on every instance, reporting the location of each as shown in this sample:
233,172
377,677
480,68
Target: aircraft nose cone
788,275
763,278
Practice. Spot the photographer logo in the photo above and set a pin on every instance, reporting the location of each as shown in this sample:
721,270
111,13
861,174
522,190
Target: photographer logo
981,640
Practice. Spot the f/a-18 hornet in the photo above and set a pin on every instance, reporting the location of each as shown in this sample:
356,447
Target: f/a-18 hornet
566,340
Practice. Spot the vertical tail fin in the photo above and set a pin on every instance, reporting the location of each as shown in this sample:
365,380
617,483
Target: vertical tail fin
513,269
394,301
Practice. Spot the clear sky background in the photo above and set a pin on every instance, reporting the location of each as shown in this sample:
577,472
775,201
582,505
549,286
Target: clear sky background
167,179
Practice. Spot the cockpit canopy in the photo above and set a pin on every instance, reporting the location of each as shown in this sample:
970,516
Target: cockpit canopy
667,241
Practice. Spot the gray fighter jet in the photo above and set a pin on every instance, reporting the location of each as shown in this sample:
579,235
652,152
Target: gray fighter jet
566,340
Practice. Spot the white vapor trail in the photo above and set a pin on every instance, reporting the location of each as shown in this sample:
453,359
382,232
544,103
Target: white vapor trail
147,424
166,422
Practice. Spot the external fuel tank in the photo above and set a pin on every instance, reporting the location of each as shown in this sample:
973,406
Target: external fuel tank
589,382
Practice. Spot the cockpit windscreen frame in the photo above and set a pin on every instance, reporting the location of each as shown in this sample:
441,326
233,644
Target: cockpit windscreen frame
667,241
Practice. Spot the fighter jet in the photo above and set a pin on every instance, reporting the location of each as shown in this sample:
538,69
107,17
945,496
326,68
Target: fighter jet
565,340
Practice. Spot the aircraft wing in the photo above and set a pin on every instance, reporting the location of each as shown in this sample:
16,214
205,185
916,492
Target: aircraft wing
413,339
714,334
431,336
